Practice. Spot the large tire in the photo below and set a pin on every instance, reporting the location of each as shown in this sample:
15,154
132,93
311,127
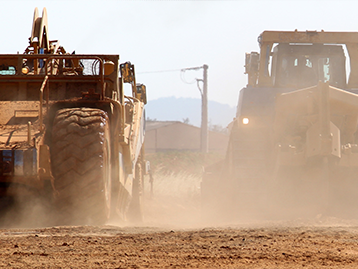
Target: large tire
81,165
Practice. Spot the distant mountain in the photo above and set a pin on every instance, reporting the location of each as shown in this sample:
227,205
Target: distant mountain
184,109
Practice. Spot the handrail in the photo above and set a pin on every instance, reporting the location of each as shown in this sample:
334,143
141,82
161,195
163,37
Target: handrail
41,102
101,67
131,97
46,79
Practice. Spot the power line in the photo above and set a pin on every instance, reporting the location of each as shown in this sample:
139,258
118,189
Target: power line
160,71
171,70
182,71
182,77
204,98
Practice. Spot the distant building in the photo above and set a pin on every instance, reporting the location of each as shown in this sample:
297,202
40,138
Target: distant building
176,135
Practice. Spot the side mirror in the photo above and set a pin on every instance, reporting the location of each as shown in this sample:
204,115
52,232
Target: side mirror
127,72
142,93
252,61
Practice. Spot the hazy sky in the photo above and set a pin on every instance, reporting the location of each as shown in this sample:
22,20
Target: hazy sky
171,35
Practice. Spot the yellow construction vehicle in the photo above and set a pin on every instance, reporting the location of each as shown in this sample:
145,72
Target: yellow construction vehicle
68,133
293,144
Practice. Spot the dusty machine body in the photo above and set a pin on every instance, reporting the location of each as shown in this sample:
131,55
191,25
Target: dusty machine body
293,144
68,132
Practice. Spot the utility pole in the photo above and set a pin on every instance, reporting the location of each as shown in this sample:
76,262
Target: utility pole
204,141
204,112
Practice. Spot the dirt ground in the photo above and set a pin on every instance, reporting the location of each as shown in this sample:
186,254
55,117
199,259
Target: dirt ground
273,246
173,237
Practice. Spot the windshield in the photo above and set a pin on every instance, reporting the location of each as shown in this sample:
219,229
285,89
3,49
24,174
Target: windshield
306,71
304,66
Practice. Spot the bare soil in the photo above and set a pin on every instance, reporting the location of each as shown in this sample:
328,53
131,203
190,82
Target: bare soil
276,246
173,237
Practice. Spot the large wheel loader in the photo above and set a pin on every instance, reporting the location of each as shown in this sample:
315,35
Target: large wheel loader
68,134
293,145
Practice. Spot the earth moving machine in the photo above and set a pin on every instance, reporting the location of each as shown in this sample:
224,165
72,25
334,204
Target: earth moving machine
293,144
68,132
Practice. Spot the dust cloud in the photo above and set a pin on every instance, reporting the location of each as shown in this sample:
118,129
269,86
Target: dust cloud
313,193
179,199
175,201
26,211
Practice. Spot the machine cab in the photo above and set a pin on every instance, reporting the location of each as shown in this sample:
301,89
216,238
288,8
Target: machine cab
304,65
296,60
